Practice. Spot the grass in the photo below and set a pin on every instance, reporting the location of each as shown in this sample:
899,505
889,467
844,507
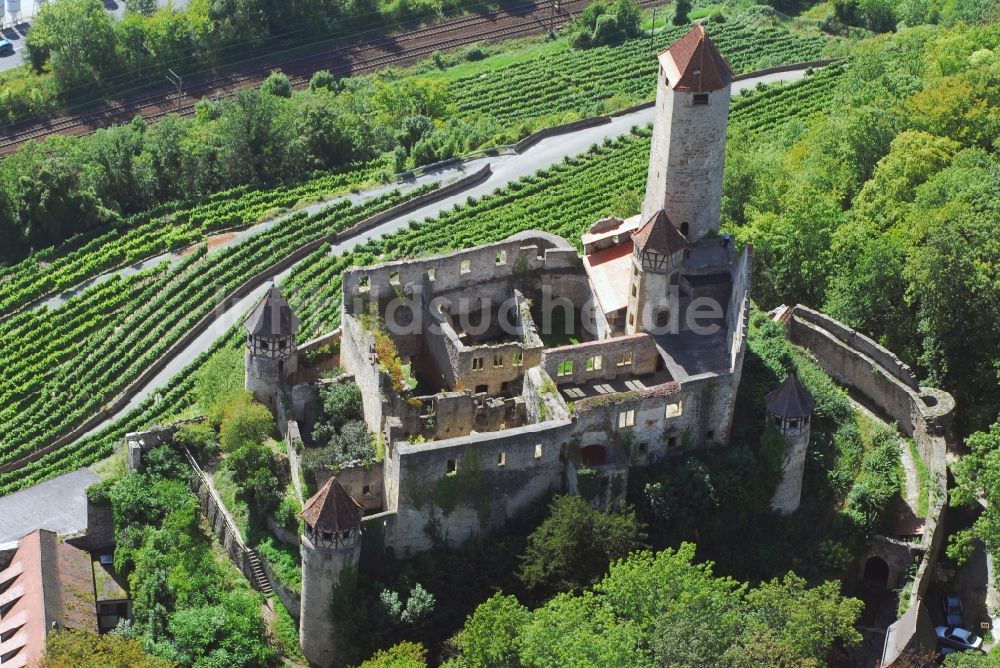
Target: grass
226,486
285,560
286,632
923,479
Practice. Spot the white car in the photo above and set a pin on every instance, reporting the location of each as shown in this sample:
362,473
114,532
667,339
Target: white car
958,638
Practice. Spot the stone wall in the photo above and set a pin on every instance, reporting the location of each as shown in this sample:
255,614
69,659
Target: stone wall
454,489
602,358
363,483
922,413
291,599
738,311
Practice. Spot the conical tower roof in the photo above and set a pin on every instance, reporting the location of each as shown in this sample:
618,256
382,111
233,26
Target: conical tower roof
790,400
694,64
659,235
332,509
272,317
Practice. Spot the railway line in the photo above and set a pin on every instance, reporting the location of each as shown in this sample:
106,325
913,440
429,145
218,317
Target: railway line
339,59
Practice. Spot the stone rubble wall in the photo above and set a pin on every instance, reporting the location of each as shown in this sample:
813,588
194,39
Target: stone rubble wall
922,413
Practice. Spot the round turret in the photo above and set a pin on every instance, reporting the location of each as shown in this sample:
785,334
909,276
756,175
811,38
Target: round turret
331,549
270,349
789,409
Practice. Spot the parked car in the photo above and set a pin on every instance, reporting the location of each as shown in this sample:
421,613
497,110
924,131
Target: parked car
958,638
952,610
6,47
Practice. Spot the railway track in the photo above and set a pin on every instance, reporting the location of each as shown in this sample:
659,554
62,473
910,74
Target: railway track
339,59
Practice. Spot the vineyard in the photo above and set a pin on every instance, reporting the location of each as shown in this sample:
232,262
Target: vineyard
62,366
583,81
169,228
125,323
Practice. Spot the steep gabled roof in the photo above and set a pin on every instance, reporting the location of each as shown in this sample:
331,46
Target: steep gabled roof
332,509
659,235
790,400
693,64
272,317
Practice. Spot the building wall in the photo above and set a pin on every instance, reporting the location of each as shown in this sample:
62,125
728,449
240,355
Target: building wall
358,359
687,156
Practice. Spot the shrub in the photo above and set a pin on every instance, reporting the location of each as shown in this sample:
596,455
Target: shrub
277,84
341,404
323,80
199,438
244,421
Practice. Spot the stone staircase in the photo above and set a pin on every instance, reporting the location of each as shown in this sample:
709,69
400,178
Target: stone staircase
260,581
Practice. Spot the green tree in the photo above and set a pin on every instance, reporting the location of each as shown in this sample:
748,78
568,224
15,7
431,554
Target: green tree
76,39
575,544
257,474
681,10
491,631
277,84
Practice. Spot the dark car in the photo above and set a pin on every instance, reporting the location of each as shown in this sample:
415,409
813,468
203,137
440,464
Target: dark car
6,48
952,606
958,638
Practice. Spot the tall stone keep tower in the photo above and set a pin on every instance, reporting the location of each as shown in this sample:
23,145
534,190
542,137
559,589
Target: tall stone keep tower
270,351
331,548
688,150
657,254
789,408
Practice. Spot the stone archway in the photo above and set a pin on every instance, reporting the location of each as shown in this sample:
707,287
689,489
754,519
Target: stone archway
877,572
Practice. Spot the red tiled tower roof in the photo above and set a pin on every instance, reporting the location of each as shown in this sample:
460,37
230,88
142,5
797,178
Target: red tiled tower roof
790,400
659,235
693,64
332,509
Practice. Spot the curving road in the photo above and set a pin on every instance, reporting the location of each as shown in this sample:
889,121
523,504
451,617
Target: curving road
506,169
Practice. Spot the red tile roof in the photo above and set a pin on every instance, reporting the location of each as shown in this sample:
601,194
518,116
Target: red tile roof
693,64
790,399
332,509
658,235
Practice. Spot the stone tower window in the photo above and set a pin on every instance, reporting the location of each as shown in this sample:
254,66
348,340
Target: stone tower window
502,459
701,98
538,451
465,267
452,467
684,228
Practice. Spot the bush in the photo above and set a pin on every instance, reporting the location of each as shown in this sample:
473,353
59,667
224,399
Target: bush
404,655
199,438
341,404
244,421
257,473
602,24
323,80
277,84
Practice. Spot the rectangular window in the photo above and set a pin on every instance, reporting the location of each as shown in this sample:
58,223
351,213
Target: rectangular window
477,363
501,257
538,451
635,289
626,419
516,359
701,98
363,284
631,319
497,360
394,278
502,459
710,436
674,410
643,448
430,273
565,368
452,467
625,359
595,363
465,267
366,490
672,442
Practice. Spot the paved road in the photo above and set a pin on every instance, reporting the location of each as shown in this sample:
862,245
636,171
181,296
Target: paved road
59,504
505,169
